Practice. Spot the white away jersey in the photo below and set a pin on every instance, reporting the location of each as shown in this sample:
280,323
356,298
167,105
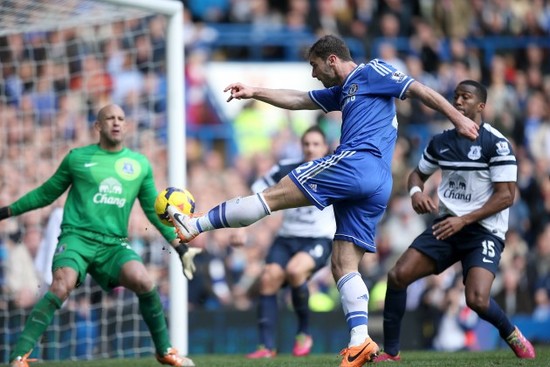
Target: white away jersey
469,169
307,221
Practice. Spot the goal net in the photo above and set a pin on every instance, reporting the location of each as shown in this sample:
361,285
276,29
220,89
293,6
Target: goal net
60,61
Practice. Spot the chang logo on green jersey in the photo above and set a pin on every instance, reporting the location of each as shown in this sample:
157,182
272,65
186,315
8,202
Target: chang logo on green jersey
110,193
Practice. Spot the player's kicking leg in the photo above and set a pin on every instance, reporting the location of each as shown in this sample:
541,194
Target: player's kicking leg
235,213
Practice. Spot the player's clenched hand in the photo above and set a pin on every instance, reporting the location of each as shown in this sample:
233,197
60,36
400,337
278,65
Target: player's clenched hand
422,203
448,227
5,212
238,91
187,256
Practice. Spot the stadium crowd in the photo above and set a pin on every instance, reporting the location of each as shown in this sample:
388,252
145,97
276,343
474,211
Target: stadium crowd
52,83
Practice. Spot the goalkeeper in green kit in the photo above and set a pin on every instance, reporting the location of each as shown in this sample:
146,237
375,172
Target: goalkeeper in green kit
104,180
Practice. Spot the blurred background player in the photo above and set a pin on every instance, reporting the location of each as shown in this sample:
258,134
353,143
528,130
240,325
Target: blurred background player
356,179
477,188
302,246
104,179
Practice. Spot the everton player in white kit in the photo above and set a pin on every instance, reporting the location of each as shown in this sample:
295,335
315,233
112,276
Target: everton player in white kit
302,246
477,188
356,179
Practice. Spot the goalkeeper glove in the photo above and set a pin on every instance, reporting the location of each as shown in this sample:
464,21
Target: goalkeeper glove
5,212
187,255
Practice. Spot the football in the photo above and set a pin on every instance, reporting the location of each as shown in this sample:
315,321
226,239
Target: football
180,198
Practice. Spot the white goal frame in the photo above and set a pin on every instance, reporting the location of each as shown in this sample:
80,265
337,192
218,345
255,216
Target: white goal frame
175,99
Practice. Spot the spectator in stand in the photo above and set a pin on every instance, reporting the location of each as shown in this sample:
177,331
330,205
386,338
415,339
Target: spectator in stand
455,330
426,46
388,52
536,115
541,312
539,260
515,297
401,225
452,19
404,13
23,281
329,18
502,100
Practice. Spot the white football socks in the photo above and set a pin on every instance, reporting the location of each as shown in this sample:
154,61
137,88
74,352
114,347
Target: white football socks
355,302
235,213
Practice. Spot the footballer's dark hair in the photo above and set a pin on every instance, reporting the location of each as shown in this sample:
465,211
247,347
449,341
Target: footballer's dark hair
481,91
329,45
314,129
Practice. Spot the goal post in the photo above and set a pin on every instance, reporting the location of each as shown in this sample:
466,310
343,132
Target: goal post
35,133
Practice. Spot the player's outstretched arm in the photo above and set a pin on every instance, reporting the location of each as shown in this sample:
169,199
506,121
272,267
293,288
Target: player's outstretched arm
436,101
289,99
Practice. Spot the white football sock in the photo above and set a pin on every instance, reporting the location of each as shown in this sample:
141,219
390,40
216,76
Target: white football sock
355,302
235,213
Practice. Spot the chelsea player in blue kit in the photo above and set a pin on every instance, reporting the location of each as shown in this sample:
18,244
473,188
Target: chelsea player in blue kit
477,188
356,179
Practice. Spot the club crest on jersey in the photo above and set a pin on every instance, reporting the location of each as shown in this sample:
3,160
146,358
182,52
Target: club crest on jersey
128,168
353,89
398,76
475,152
503,148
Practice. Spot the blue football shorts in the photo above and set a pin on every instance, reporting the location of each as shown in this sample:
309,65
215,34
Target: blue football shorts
284,248
472,246
357,183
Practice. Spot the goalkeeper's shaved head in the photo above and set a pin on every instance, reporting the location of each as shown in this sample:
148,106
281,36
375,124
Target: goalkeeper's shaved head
107,110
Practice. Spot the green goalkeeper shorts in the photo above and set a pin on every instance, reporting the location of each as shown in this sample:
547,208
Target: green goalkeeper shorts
102,260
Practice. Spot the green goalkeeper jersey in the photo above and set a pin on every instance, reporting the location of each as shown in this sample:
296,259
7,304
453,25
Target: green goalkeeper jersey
103,188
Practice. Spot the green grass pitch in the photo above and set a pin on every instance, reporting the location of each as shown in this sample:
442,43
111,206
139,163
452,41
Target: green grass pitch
500,358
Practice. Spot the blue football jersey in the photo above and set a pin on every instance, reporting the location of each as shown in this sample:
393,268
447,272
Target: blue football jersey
366,100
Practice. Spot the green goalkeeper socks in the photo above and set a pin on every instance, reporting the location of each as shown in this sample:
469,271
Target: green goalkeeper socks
37,323
153,315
